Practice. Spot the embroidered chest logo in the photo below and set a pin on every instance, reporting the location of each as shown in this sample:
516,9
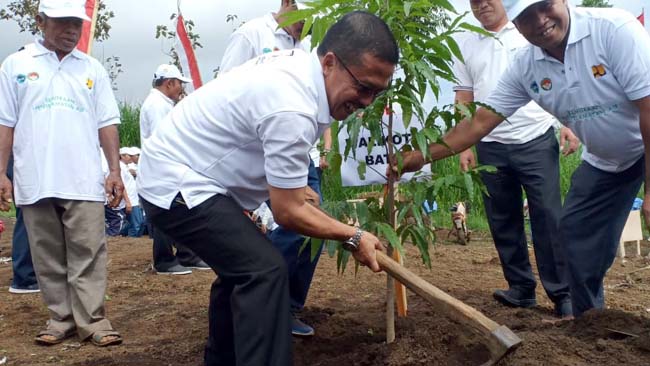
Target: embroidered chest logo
89,83
32,76
20,78
534,87
546,84
268,50
598,71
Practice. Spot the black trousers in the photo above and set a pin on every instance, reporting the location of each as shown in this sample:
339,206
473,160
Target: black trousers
163,252
249,321
535,167
594,215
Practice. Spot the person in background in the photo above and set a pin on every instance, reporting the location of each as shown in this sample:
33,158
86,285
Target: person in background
24,277
167,91
525,152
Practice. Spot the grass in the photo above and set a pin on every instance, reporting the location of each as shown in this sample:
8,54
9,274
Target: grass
130,127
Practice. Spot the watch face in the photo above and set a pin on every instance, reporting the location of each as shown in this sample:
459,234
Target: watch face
349,246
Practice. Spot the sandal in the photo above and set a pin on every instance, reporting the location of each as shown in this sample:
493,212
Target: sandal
58,336
103,338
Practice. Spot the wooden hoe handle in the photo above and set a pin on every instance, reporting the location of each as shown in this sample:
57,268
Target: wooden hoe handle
501,339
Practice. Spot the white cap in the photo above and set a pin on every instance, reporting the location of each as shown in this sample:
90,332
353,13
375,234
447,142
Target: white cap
134,150
167,71
301,6
516,7
124,150
63,9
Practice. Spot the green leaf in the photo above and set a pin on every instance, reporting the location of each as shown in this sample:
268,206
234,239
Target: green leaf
407,8
316,248
361,170
469,185
387,231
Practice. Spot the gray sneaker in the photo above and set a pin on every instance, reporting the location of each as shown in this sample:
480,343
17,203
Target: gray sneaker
200,265
31,289
176,269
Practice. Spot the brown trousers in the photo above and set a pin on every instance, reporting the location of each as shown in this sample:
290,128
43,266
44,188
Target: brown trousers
68,246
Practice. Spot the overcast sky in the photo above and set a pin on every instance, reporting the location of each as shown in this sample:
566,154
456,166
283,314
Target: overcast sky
132,36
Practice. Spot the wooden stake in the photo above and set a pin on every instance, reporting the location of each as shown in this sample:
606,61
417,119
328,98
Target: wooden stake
400,289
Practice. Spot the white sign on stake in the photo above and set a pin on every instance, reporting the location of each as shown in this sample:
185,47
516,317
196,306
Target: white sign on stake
377,159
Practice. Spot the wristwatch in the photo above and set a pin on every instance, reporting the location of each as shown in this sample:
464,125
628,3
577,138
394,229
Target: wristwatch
352,244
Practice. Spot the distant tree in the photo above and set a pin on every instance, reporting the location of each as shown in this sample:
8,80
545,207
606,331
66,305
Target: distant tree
24,12
164,33
596,4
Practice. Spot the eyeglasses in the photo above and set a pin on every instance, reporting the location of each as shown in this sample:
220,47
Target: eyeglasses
363,89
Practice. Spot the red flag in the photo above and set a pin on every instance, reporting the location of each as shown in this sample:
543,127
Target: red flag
641,17
88,30
186,53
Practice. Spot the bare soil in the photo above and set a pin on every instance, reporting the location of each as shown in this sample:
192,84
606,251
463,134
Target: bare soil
164,318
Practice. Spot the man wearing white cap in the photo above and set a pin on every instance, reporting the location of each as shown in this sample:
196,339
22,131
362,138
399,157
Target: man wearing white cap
57,106
254,38
525,152
167,91
591,69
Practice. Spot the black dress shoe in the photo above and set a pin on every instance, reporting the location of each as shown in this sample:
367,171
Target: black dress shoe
515,297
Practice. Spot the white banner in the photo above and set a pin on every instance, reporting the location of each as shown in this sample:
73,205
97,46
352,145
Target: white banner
377,159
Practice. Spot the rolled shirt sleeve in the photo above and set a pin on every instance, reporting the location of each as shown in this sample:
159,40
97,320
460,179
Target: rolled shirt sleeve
286,139
8,98
107,111
629,45
509,94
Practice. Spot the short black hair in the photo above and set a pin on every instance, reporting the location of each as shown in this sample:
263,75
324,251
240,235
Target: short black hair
357,33
158,82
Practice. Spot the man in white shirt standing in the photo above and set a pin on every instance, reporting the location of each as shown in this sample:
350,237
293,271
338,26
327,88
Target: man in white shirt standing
525,152
254,38
56,107
167,91
242,139
591,69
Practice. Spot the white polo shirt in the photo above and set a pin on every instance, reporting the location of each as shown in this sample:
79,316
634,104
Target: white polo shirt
606,66
249,128
153,110
486,59
56,108
256,37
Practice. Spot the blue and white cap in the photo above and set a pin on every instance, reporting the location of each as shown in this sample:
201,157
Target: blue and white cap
516,7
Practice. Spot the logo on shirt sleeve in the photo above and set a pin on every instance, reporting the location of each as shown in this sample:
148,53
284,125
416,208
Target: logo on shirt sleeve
89,83
546,84
598,71
20,78
534,87
32,76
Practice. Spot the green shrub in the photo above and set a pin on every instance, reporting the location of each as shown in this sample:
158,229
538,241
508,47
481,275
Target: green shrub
130,127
